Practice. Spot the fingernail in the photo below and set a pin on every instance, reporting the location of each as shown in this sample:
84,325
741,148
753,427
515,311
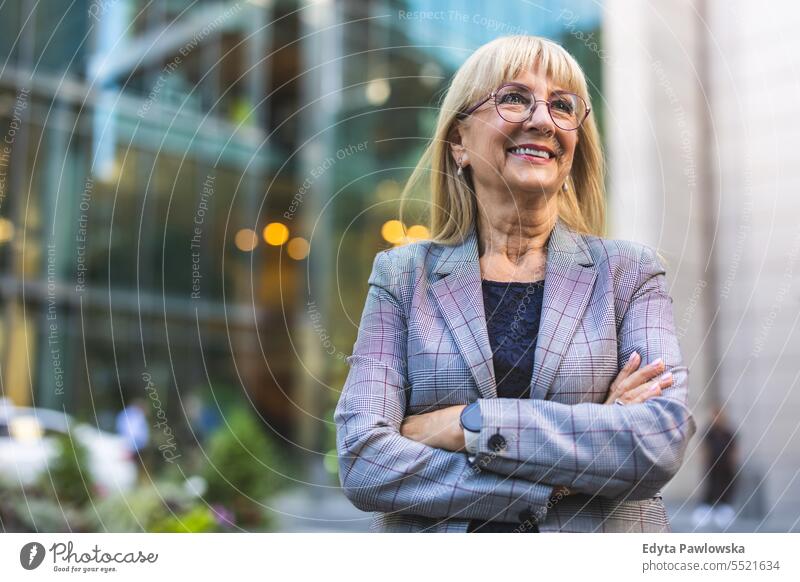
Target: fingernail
665,376
631,357
656,363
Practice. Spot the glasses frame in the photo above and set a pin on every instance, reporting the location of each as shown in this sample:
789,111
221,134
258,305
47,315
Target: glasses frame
493,96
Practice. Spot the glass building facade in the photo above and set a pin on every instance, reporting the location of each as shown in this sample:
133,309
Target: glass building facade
195,190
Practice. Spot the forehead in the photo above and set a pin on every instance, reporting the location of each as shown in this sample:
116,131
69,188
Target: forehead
537,78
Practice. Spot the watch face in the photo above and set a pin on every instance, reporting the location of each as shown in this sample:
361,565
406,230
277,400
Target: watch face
471,417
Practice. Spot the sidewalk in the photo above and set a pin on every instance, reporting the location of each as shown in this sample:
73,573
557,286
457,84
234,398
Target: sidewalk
319,510
328,510
680,515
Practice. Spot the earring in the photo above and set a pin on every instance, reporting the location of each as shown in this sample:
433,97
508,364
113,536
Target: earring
564,187
460,170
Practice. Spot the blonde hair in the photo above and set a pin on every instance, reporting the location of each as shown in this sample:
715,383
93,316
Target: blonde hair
453,208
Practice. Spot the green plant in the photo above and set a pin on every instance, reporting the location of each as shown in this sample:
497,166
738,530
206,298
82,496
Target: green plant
154,506
68,478
30,510
241,468
199,519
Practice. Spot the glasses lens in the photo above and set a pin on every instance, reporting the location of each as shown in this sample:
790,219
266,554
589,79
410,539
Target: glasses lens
567,110
513,103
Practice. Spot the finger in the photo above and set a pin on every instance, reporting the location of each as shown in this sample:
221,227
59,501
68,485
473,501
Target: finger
629,367
663,381
640,394
645,374
652,391
648,390
620,391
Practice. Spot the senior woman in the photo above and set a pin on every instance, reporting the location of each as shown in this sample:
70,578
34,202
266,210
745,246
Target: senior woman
517,372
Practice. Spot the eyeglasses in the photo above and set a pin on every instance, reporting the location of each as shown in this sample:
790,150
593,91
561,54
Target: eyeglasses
515,103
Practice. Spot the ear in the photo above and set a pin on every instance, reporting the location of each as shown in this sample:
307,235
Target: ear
457,147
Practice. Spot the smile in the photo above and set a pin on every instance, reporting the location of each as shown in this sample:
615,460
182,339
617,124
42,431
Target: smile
531,154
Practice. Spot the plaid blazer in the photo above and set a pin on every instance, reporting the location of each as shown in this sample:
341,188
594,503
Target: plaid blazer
423,345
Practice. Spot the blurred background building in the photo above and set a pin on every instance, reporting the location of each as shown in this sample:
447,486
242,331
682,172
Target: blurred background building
192,193
701,165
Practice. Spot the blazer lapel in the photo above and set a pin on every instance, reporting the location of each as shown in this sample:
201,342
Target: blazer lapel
460,298
569,279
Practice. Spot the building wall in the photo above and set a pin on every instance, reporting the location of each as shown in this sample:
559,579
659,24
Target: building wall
700,97
756,64
652,146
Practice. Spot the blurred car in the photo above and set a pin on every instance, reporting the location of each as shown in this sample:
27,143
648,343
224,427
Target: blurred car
28,443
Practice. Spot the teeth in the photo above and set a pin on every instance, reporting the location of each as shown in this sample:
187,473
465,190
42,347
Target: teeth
531,152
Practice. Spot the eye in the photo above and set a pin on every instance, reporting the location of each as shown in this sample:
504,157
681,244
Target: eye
514,98
563,105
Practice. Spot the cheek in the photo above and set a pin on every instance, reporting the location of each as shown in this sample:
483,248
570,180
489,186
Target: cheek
490,146
570,142
569,153
497,138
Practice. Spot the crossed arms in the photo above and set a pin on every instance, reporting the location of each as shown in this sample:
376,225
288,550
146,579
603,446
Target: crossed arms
613,451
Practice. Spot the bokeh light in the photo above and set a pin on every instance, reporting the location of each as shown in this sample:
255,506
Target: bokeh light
378,91
6,230
276,233
298,248
393,231
418,232
246,239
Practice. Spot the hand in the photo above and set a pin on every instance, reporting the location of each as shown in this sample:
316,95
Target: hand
440,429
632,386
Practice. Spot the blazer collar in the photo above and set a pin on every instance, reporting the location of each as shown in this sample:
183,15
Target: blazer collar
564,245
569,279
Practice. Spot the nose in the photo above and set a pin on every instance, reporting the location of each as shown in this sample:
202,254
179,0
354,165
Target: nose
540,119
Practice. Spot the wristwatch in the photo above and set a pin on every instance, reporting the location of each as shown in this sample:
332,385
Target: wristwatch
471,423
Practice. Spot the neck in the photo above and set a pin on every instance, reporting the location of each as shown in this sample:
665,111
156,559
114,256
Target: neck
514,231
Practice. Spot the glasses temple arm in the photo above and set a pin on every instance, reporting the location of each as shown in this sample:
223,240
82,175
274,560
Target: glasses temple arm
478,104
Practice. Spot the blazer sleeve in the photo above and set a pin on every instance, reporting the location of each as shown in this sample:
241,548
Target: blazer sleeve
614,451
381,470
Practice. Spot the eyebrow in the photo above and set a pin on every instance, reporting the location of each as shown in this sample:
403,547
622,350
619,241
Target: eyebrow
555,90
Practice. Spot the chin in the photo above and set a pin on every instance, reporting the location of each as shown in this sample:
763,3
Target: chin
530,179
532,186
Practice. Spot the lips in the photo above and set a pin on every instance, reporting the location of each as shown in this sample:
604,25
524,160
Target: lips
532,152
534,156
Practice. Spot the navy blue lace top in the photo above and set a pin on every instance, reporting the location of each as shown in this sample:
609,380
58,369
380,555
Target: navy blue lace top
512,318
513,310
